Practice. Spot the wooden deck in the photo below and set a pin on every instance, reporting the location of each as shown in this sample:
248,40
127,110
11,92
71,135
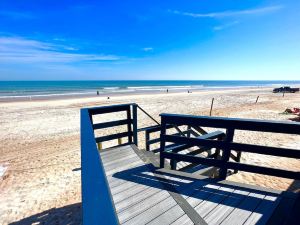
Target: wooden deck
144,194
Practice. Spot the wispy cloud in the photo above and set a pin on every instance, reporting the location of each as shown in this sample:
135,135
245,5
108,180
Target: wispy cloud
22,50
256,11
226,25
148,49
17,15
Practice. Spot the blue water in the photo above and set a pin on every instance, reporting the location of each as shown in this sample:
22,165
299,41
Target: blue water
52,88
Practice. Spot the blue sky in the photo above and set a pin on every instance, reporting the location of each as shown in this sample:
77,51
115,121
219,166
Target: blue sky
133,39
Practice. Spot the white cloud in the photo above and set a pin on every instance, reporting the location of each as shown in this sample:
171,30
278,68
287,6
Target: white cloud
21,50
256,11
148,49
226,25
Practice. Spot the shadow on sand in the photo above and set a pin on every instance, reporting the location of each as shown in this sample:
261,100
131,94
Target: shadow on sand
70,214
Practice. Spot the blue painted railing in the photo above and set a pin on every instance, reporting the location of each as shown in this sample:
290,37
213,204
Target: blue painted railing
130,121
227,144
97,204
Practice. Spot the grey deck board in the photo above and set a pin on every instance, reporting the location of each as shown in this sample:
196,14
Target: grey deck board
206,206
168,217
123,167
225,208
202,194
140,197
130,192
153,212
112,153
175,213
264,211
122,163
123,187
184,220
240,214
136,209
113,161
145,195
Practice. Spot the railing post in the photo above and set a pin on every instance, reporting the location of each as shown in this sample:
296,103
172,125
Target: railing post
218,152
134,123
147,138
173,164
189,130
119,141
226,153
162,142
129,126
238,159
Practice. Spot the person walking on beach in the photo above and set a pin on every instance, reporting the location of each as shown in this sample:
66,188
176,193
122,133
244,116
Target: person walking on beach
97,92
167,90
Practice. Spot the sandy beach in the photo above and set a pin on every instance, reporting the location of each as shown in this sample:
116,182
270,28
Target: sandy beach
40,146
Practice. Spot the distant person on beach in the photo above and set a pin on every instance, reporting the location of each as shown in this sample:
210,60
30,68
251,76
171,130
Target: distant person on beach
97,92
167,90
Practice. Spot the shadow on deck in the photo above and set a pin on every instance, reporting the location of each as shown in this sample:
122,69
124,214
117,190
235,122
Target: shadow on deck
126,185
212,193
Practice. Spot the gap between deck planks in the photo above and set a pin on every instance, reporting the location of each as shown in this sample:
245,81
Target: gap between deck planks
139,203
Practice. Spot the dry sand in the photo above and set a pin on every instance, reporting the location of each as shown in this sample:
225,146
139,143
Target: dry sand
40,147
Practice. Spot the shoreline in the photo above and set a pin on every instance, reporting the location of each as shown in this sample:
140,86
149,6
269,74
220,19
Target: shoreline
20,91
32,98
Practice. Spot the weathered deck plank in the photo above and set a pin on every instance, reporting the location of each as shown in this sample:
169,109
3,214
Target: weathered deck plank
184,220
240,214
136,209
169,216
226,207
153,212
264,211
206,206
140,197
144,195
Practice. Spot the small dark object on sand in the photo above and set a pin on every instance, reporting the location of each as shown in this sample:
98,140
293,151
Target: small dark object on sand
285,89
293,110
107,97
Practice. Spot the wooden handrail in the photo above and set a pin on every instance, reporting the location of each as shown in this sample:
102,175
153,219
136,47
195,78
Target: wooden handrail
97,204
227,144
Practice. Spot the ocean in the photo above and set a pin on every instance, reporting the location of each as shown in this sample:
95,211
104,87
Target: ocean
46,89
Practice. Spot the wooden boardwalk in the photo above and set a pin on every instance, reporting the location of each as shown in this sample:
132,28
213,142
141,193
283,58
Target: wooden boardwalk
144,194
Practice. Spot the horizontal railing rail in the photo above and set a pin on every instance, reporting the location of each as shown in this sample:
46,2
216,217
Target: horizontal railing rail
130,121
195,131
111,124
227,144
237,124
108,109
156,129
